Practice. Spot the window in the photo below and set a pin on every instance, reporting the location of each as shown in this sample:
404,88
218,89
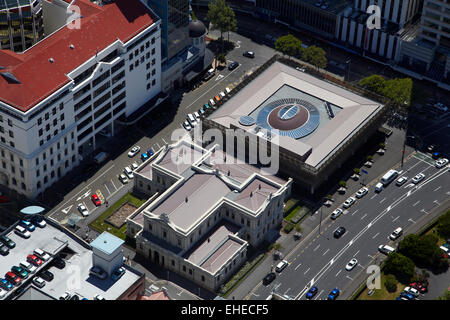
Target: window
147,44
61,106
47,115
41,132
173,262
153,61
184,268
38,173
153,82
142,48
136,63
147,55
14,181
41,142
153,72
53,111
148,86
131,67
10,122
21,162
39,121
62,117
148,76
22,174
142,59
11,134
47,127
130,56
63,127
48,137
203,278
12,144
55,122
153,40
153,51
148,66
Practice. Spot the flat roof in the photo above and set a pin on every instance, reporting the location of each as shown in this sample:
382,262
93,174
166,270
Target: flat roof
282,84
54,240
101,26
107,243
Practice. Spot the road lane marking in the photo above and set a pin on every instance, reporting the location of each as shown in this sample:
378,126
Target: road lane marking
370,256
349,278
356,253
395,219
435,201
325,252
375,235
355,211
297,266
338,272
423,210
415,204
158,145
107,188
373,196
437,189
165,142
66,210
365,215
307,271
287,291
318,295
411,220
113,185
316,247
382,200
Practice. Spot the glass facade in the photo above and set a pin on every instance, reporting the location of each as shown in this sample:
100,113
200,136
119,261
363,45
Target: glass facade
174,16
20,24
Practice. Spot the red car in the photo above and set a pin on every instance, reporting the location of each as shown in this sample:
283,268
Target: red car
96,200
13,278
418,286
31,258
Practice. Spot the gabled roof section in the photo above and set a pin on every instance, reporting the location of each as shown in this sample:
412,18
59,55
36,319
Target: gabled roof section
100,27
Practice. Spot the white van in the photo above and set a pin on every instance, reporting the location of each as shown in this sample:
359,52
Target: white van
397,233
191,119
378,187
389,177
386,249
211,102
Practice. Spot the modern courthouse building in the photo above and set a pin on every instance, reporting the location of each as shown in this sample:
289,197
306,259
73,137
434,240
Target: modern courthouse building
204,209
56,96
315,125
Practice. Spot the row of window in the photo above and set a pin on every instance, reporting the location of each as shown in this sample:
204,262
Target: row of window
52,173
58,147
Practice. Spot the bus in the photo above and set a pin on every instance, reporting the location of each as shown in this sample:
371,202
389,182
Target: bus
389,177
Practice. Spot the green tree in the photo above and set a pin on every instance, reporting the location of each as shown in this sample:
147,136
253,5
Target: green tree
288,45
424,251
390,282
400,266
443,227
221,58
445,296
342,183
375,83
398,91
222,17
315,56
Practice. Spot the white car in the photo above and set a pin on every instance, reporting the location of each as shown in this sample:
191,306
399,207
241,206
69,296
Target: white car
128,172
98,297
28,266
412,291
348,203
65,296
83,210
41,254
134,166
441,163
197,116
39,282
401,181
2,293
222,95
351,264
336,213
396,233
134,151
362,192
280,266
418,177
123,178
187,126
227,90
211,102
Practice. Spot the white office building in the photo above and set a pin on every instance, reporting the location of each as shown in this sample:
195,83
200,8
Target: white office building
81,79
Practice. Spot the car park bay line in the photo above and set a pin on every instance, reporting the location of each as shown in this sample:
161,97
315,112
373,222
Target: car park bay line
104,172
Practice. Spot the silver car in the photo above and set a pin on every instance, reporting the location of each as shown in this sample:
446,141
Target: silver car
418,177
349,202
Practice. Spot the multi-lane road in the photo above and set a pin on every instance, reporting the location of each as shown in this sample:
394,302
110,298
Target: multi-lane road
320,259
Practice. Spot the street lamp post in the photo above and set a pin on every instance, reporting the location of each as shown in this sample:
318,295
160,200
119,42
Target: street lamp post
404,147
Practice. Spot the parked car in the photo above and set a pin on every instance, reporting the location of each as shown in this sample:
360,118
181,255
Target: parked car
97,272
46,275
351,264
336,213
134,151
27,225
339,232
3,250
378,187
31,258
311,292
41,254
13,278
418,177
206,106
134,166
39,282
349,202
412,291
386,249
5,284
83,210
119,272
65,296
123,178
8,242
227,90
441,163
420,287
396,233
150,152
222,94
211,102
269,278
38,221
406,295
333,294
187,126
249,54
362,192
401,181
21,231
21,272
96,200
28,266
75,297
281,265
59,262
233,65
197,116
98,297
128,172
144,156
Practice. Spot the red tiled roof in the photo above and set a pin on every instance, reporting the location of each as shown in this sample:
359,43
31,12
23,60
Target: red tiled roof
100,26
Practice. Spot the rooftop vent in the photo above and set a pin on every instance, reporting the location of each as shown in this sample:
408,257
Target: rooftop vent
51,60
72,46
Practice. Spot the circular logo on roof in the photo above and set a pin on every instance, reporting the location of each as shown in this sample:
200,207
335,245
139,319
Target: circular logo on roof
247,121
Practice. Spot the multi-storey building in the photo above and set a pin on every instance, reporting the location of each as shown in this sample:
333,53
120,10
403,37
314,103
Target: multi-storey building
58,95
205,208
20,24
